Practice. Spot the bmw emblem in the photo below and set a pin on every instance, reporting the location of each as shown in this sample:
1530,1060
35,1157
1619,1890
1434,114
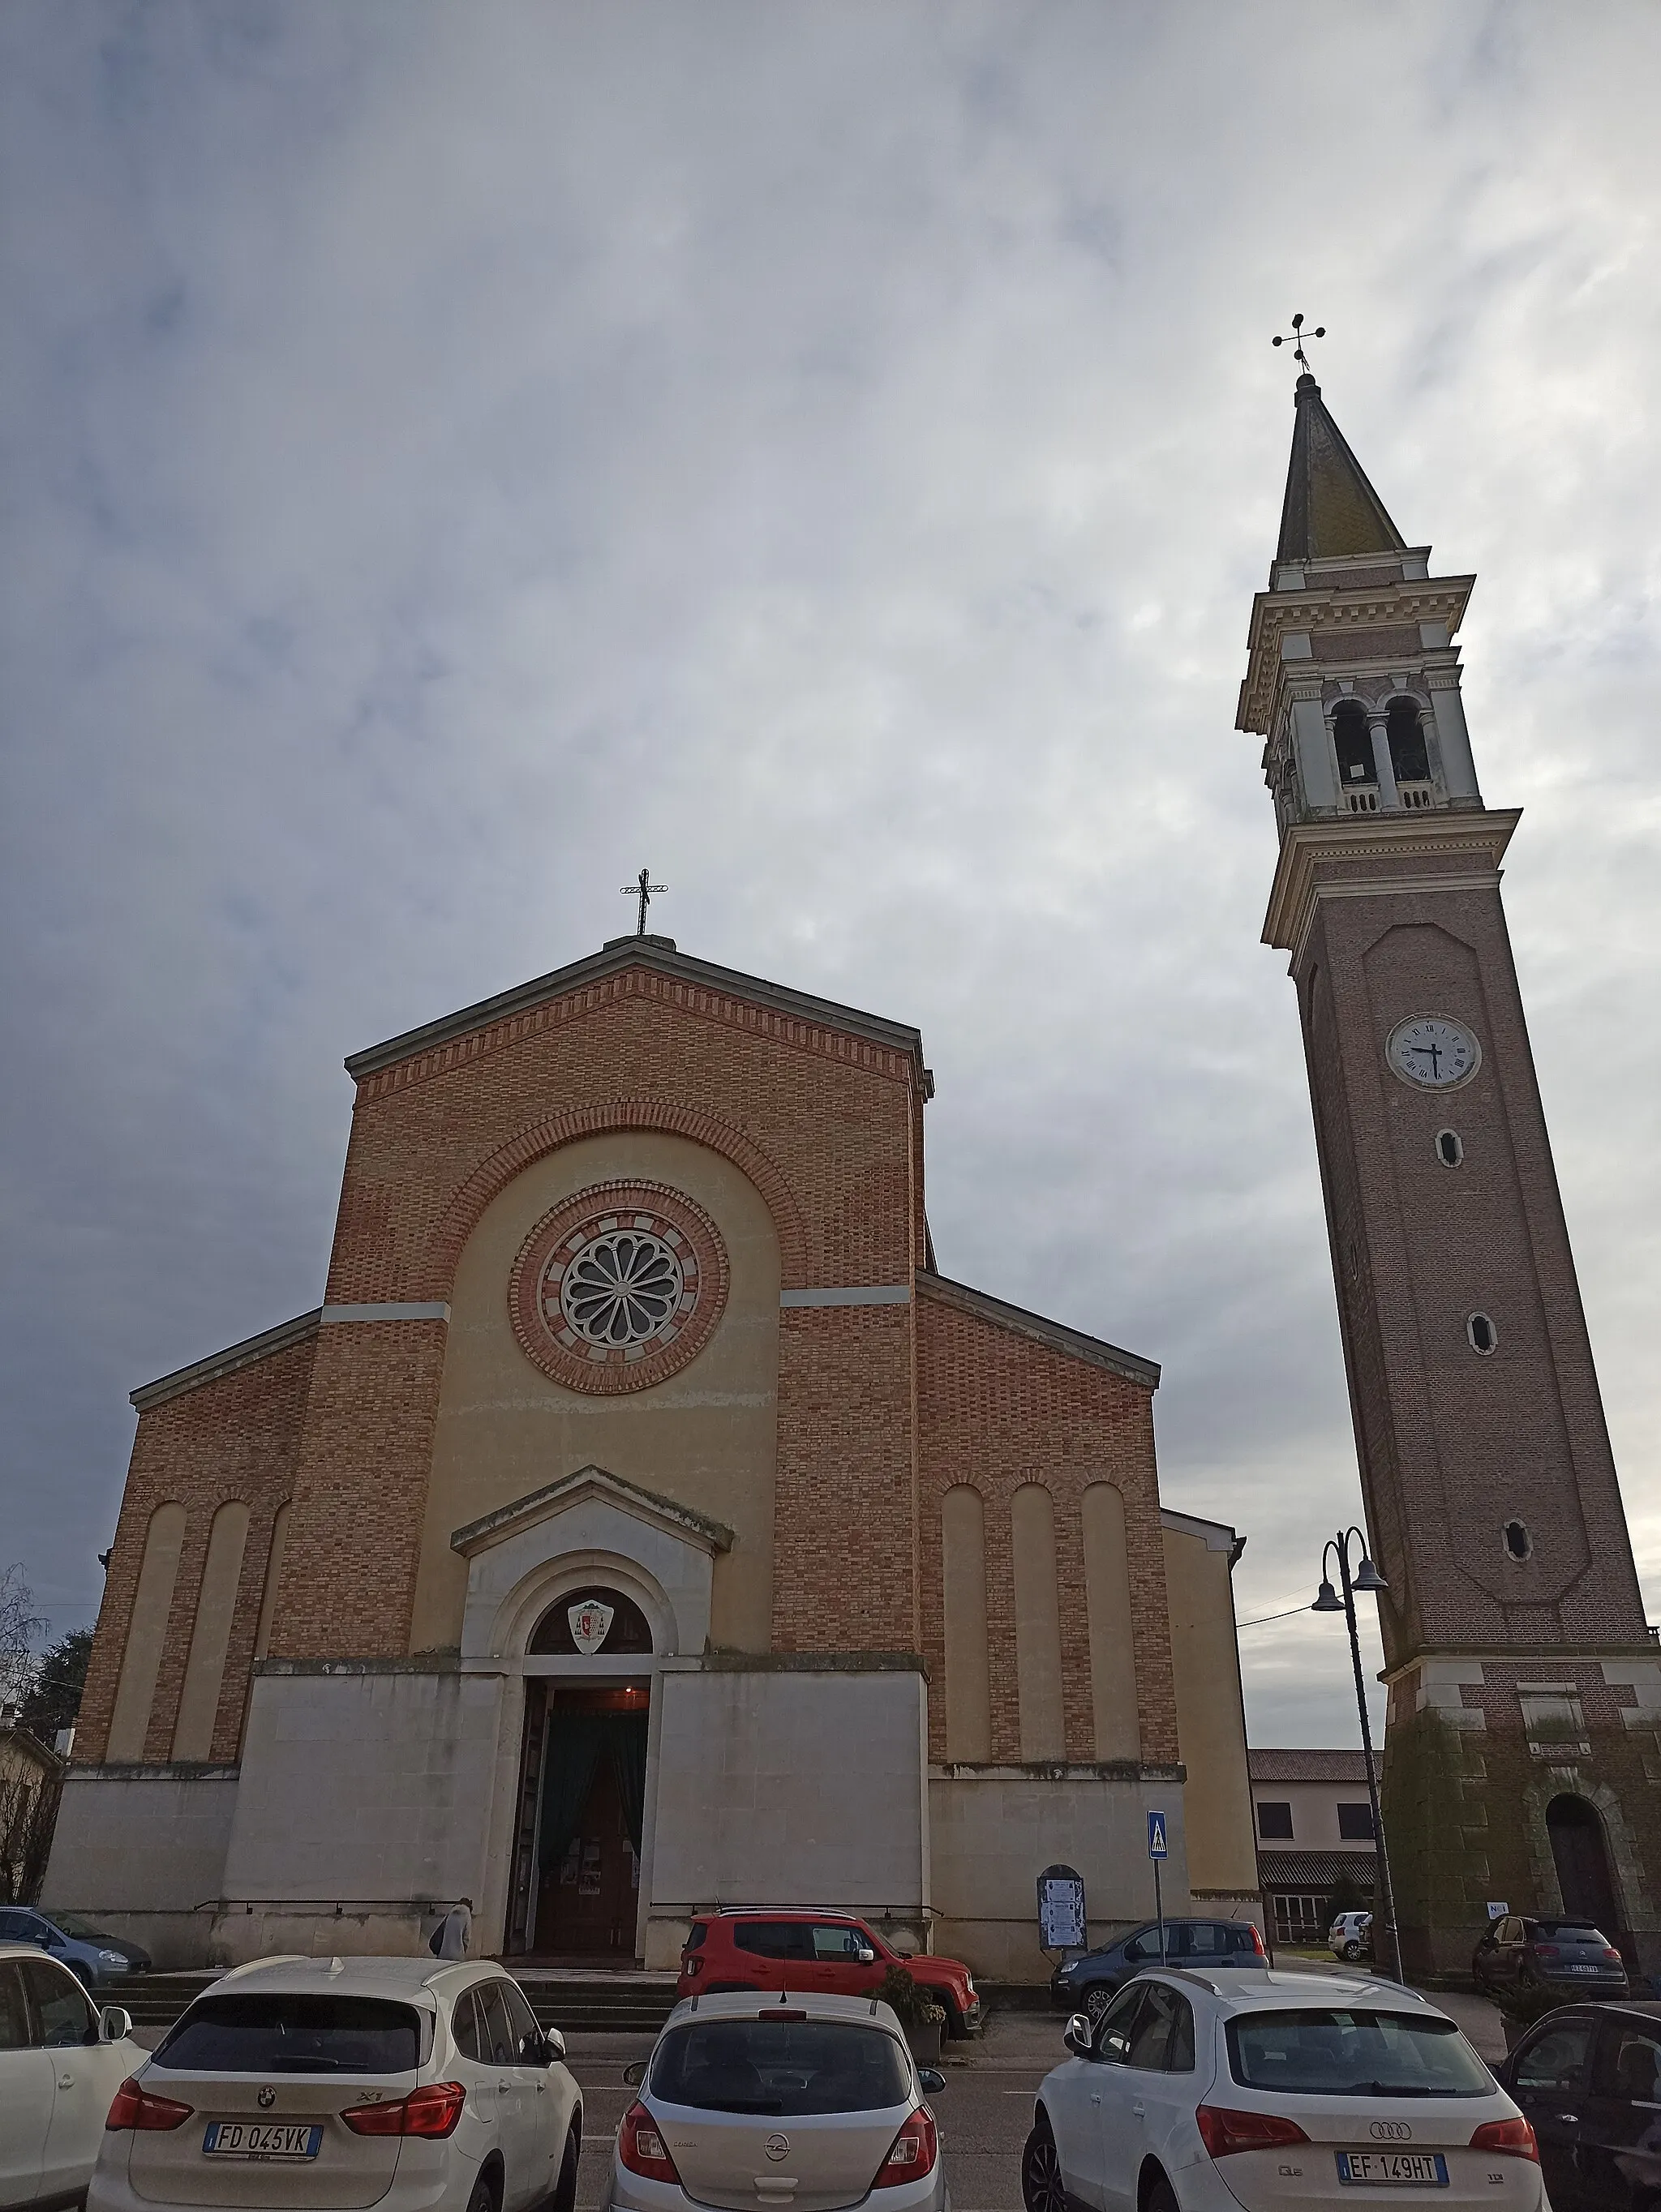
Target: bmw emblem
777,2146
267,2099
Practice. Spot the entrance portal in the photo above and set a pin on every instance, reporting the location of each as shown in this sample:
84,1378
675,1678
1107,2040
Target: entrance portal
1583,1865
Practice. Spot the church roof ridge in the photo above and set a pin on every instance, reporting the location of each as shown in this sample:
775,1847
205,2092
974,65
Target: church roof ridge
659,954
1057,1334
1330,509
217,1364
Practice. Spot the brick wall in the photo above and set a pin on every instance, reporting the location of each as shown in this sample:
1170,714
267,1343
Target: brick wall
998,1409
236,1437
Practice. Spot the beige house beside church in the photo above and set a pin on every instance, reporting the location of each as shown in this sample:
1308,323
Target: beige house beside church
643,1522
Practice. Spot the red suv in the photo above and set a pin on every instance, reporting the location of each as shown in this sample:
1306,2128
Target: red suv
805,1951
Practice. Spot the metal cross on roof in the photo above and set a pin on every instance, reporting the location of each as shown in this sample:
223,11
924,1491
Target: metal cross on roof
1296,341
643,889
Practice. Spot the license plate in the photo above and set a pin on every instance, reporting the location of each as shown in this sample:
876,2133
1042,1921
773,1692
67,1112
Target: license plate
1397,2169
1583,1969
264,2139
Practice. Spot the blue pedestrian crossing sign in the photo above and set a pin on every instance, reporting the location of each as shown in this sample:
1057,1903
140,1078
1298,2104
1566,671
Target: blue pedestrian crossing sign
1157,1846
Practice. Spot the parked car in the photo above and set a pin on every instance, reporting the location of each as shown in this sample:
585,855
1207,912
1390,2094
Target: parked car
60,2063
94,1958
1534,1962
816,2101
1202,2092
399,2082
814,1953
1588,2081
1087,1983
1350,1935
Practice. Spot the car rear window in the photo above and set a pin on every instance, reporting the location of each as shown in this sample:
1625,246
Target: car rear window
1331,2053
1569,1931
294,2033
695,1936
773,1939
791,2068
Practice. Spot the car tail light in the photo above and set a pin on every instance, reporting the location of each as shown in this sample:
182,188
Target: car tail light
1256,1939
641,2147
134,2107
692,1963
1613,1955
912,2153
1223,2131
1546,1951
1507,2139
433,2110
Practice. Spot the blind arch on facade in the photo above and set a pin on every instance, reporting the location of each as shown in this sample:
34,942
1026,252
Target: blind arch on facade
147,1633
968,1674
210,1635
1038,1624
1112,1623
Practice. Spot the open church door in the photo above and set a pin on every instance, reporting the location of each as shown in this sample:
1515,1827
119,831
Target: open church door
581,1807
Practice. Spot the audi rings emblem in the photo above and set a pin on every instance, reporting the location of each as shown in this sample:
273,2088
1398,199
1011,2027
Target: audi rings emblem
267,2099
777,2146
1390,2131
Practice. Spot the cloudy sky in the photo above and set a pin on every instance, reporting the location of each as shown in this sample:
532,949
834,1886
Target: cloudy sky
456,454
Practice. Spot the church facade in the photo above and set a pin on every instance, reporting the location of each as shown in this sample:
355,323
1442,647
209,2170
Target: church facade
1522,1751
643,1523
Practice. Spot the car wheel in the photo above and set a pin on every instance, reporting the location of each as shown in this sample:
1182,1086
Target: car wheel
1161,2196
1041,2187
1350,1951
1097,2000
565,2189
483,2199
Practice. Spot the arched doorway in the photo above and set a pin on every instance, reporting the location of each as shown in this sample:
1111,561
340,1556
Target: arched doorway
582,1782
1581,1856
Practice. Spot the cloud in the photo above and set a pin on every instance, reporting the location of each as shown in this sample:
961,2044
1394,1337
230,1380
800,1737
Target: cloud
826,452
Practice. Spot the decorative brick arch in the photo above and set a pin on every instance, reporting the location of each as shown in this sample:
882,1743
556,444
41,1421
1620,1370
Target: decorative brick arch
493,1175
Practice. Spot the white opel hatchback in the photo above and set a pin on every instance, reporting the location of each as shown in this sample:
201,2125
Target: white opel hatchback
334,2084
808,2103
1270,2090
60,2063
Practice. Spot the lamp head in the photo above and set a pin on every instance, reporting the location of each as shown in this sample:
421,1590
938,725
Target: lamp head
1327,1599
1367,1576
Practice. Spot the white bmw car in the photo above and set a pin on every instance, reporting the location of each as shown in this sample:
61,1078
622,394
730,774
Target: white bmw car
1202,2094
60,2063
316,2085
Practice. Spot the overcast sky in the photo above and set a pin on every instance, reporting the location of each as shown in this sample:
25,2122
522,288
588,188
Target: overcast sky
456,454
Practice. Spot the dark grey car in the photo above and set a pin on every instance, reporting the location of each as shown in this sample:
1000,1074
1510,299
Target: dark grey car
1086,1983
1540,1962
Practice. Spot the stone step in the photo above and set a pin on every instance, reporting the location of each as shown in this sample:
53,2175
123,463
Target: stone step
625,2002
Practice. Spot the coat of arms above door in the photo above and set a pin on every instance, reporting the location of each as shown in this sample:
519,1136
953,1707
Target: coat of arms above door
591,1620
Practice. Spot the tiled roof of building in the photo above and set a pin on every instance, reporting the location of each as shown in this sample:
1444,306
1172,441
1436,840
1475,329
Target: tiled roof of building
1307,1766
1331,508
1315,1870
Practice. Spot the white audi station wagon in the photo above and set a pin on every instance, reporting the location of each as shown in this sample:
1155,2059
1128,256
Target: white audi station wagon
328,2085
806,2104
1266,2090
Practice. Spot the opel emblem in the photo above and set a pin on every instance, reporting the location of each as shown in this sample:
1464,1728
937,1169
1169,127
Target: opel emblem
267,2099
1390,2131
777,2146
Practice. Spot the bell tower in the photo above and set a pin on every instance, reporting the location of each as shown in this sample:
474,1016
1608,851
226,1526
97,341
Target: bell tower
1521,1762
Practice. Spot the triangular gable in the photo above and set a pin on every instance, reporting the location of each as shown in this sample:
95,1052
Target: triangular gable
556,1498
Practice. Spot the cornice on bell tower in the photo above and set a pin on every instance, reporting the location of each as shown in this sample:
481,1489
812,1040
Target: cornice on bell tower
1353,675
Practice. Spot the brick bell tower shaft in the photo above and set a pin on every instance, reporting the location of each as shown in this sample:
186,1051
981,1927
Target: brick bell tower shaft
1523,1676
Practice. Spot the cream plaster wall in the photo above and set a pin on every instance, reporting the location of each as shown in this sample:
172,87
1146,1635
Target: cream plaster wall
707,1437
1314,1814
1222,1855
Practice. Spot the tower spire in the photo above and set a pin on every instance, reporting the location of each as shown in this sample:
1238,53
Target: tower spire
1330,509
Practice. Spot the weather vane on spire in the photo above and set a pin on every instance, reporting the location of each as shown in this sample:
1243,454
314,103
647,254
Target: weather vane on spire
1296,341
642,887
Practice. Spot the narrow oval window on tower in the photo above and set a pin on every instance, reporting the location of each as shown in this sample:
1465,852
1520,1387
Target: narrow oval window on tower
1482,1332
1352,741
1518,1542
1408,757
1449,1149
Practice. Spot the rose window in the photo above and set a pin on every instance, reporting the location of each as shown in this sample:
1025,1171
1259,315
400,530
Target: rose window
622,1288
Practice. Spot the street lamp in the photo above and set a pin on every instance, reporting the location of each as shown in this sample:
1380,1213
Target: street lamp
1365,1576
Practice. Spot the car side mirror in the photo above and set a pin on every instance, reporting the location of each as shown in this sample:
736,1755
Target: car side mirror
636,2073
866,1955
1078,2037
52,1939
553,2046
114,2025
931,2081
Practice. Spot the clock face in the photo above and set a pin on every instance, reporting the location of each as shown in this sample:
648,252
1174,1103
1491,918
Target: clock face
1433,1052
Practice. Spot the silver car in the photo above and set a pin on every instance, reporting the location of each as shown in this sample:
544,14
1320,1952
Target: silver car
809,2102
319,2085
